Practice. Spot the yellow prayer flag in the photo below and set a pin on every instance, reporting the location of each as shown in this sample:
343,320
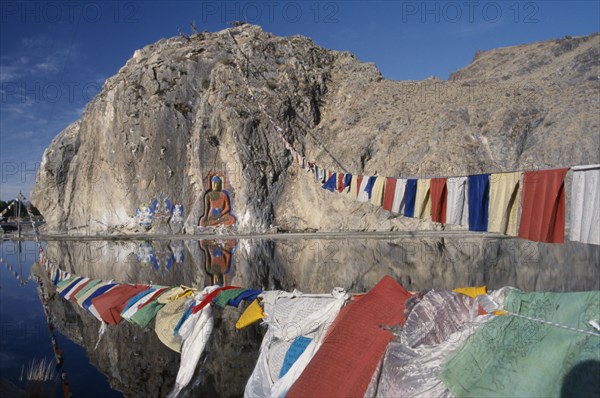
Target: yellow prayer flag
471,291
423,199
253,313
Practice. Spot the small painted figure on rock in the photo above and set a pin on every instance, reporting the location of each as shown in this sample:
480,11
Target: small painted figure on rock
144,215
217,206
162,208
177,217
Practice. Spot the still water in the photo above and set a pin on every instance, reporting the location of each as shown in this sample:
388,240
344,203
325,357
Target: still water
131,361
24,333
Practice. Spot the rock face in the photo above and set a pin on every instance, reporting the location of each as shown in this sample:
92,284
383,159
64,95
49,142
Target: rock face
182,108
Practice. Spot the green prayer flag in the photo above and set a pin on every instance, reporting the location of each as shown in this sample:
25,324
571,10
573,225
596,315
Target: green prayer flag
225,295
515,357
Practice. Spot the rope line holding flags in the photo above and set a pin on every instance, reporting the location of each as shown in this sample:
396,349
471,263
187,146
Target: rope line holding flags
276,90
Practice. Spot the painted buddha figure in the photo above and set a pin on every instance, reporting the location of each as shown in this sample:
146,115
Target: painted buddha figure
217,209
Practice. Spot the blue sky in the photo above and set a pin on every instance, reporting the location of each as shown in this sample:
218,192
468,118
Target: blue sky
55,55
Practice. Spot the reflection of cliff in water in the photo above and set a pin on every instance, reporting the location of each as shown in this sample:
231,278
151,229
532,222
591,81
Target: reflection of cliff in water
139,365
443,263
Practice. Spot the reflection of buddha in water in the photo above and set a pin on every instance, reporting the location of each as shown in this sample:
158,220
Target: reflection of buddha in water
217,259
217,209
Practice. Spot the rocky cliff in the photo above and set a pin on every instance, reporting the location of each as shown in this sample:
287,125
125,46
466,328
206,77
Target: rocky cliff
181,108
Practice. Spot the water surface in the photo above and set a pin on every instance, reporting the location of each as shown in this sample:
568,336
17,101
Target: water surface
132,361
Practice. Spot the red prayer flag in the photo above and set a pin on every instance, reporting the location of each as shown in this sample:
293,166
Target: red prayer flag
110,304
389,193
209,297
340,182
72,295
153,297
354,345
437,188
543,201
358,182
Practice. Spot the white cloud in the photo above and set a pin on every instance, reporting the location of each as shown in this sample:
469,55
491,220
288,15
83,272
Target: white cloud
36,54
50,65
39,41
9,73
22,108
